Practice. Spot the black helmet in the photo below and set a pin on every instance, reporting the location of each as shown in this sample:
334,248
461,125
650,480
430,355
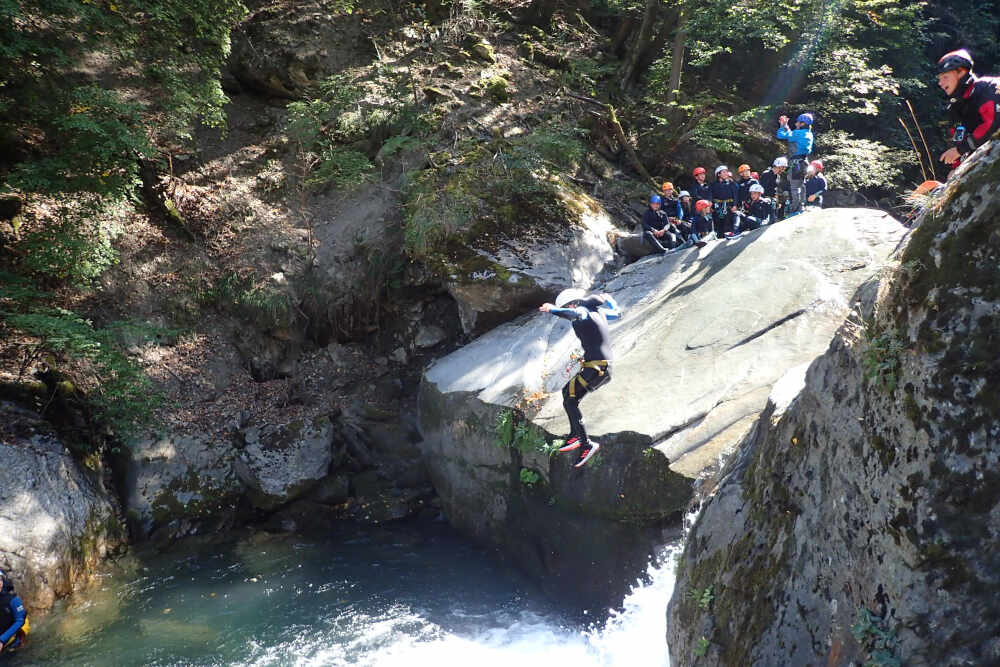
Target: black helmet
954,60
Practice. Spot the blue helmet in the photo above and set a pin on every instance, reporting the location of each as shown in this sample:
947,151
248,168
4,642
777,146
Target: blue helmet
806,118
655,199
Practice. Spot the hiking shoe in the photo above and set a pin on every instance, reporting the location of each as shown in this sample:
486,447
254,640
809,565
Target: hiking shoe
587,453
571,444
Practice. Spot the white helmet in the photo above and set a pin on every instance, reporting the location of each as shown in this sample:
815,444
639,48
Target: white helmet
757,187
569,295
780,162
684,193
721,167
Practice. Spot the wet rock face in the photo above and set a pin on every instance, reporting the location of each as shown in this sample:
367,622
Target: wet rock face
704,337
56,521
872,502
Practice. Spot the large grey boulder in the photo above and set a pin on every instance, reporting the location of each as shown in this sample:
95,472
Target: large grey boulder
705,336
861,522
280,463
285,50
179,483
56,521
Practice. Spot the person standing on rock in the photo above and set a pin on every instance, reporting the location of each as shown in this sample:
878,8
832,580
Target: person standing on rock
13,617
701,190
589,315
800,147
775,185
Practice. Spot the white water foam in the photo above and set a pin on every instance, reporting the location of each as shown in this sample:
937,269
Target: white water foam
402,637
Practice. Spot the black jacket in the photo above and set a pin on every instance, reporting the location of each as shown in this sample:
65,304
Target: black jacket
744,193
701,191
760,212
977,109
770,181
725,190
653,220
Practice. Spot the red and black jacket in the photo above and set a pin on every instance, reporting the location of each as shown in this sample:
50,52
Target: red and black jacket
978,110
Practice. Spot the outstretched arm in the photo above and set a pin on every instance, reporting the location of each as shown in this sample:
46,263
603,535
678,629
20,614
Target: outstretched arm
577,313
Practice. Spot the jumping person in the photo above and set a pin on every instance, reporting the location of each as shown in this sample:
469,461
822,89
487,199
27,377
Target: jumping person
14,624
974,104
589,315
800,146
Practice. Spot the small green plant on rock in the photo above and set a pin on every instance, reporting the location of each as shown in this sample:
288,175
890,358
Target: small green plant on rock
701,647
703,598
529,477
881,359
877,638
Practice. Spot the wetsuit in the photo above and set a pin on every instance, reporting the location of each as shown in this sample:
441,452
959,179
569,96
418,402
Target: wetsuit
977,109
702,225
655,221
760,212
724,196
701,191
672,207
12,617
744,192
815,186
687,212
590,324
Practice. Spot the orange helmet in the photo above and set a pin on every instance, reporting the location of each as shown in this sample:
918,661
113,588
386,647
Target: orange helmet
743,167
817,165
668,186
926,187
702,204
698,170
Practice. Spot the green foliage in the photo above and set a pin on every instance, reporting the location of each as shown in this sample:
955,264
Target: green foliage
251,299
879,640
529,477
514,431
703,598
344,168
701,647
854,164
724,132
67,250
881,359
123,398
495,188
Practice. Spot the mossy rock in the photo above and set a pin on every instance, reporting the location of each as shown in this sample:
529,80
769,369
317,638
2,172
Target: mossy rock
435,94
450,71
496,88
484,51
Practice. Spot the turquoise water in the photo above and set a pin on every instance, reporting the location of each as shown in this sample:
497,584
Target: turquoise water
403,595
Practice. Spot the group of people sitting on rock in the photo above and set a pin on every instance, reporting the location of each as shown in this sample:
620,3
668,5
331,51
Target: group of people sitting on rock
726,208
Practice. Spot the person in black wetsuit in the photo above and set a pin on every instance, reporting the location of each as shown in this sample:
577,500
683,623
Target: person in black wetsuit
589,315
13,617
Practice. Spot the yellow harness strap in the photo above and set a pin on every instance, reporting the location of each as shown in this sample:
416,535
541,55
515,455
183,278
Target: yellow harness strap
597,364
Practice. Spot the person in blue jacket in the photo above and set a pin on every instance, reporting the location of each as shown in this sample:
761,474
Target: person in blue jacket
589,315
800,146
815,184
13,617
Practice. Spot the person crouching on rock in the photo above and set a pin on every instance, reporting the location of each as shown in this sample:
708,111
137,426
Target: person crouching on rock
13,617
589,315
759,210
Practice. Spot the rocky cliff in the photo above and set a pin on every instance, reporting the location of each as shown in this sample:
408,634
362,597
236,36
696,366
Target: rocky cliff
860,522
706,333
58,521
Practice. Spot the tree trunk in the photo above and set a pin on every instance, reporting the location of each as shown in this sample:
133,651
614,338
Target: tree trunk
631,70
620,41
655,47
677,56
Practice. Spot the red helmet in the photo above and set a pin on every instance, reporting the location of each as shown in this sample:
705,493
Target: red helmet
754,175
817,165
698,170
702,204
